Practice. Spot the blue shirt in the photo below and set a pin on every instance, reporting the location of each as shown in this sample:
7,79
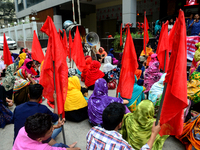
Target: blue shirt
195,28
27,109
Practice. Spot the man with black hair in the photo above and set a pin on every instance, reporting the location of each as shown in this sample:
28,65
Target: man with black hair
23,111
108,138
37,129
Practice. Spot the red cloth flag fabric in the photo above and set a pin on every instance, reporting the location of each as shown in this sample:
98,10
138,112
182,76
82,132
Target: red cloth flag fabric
171,36
121,42
77,52
129,66
175,99
6,52
36,51
65,43
163,45
70,44
146,35
60,34
55,52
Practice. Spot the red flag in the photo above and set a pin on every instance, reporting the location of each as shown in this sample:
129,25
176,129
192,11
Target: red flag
121,42
36,51
70,43
163,45
65,43
175,99
171,36
6,52
77,52
129,66
146,35
56,53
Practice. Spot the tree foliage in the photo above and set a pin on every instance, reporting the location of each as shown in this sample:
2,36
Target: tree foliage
7,10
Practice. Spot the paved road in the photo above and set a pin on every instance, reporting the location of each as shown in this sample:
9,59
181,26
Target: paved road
73,131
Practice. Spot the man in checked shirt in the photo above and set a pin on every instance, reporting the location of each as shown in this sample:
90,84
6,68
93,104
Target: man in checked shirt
108,138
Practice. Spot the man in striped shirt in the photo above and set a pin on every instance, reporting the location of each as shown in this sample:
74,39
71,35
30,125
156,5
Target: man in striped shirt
108,138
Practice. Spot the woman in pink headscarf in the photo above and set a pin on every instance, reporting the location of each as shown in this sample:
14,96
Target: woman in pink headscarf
152,73
28,63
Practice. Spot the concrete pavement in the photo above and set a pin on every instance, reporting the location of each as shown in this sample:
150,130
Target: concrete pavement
73,131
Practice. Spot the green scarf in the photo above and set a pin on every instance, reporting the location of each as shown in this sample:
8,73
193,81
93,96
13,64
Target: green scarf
136,127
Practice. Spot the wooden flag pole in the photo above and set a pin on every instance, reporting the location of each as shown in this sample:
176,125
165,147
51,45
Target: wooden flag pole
161,104
70,57
54,80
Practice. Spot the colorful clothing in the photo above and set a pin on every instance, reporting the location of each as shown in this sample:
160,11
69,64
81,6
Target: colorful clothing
22,57
136,127
151,76
190,136
75,99
23,142
195,28
93,73
88,61
101,139
103,53
99,100
157,27
137,96
9,80
107,64
193,86
31,70
20,81
148,50
157,89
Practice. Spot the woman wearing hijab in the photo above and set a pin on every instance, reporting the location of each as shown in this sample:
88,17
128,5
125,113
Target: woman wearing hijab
99,100
152,73
75,104
157,27
114,60
101,54
107,64
9,81
88,61
93,74
136,127
157,90
21,90
137,96
28,63
22,57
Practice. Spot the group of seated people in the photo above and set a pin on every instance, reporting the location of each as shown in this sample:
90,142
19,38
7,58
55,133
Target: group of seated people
134,118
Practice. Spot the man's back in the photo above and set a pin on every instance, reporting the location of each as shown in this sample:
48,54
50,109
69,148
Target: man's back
101,139
27,109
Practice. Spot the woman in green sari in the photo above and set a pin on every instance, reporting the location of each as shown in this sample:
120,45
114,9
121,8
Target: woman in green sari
136,127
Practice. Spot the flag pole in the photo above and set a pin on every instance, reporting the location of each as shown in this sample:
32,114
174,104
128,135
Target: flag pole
73,11
54,80
165,60
161,104
70,57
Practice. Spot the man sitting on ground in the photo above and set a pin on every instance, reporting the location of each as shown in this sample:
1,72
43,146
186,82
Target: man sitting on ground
37,128
108,138
23,111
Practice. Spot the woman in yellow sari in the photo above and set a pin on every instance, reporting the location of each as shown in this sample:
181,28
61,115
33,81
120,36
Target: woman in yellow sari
75,104
136,127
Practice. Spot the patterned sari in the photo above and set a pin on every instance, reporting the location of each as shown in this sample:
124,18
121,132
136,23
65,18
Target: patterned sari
190,136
